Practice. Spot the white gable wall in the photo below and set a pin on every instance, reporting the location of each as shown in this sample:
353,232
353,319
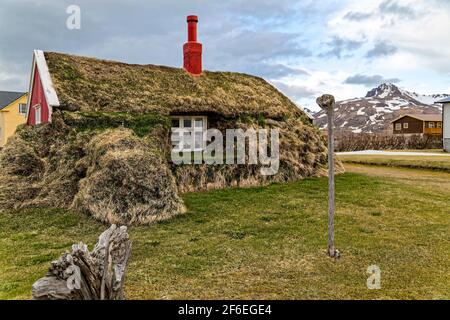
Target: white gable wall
446,129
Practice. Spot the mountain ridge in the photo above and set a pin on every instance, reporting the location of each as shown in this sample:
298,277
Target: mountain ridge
374,112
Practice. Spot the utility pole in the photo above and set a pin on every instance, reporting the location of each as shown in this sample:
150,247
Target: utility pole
327,103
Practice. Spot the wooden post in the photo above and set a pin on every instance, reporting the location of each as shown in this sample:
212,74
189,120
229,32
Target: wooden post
331,250
327,103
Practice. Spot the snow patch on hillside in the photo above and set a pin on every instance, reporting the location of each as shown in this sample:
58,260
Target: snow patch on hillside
381,105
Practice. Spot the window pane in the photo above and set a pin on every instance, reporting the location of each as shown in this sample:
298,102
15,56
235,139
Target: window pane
176,138
175,123
198,140
22,108
187,140
199,123
187,123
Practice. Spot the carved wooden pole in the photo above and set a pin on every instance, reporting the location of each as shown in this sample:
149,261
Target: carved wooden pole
327,103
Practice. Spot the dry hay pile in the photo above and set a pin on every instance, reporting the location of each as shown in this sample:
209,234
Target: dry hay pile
113,174
127,181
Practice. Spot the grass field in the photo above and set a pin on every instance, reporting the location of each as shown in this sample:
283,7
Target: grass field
265,243
419,150
417,162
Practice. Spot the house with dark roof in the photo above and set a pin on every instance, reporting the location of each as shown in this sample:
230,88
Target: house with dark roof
99,138
420,124
446,122
13,112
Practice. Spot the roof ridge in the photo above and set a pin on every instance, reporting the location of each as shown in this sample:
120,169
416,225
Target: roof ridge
21,92
418,116
8,97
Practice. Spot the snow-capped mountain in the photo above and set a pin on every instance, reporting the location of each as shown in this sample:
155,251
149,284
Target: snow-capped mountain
374,112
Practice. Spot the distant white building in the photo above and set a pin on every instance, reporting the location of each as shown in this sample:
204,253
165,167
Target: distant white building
446,122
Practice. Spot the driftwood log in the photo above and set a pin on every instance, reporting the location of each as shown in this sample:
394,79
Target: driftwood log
84,275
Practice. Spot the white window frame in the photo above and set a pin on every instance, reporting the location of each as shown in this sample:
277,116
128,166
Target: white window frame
439,125
405,125
192,130
37,111
431,125
20,110
398,126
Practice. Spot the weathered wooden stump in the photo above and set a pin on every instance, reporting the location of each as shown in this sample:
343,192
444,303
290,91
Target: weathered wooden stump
84,275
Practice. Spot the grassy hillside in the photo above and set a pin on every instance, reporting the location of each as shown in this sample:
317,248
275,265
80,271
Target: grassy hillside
88,84
267,242
418,162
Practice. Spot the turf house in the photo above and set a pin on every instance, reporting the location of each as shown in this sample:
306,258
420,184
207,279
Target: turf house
97,138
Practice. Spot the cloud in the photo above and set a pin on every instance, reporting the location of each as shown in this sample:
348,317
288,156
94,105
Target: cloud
297,92
358,16
415,27
339,46
381,49
393,7
311,47
369,81
277,70
258,45
238,35
385,7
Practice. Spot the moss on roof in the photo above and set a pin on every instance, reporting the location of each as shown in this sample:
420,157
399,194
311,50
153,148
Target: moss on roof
88,84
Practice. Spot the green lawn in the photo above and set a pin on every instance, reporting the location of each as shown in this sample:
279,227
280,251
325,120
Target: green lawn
264,243
418,162
418,150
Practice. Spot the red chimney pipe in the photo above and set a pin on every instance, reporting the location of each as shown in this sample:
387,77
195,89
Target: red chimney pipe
192,28
192,50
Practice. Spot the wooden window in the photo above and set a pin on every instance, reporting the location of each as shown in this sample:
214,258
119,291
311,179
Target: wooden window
192,132
405,125
187,122
23,109
175,122
398,126
198,123
431,125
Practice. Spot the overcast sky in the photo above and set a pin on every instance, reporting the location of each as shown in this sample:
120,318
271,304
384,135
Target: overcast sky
305,48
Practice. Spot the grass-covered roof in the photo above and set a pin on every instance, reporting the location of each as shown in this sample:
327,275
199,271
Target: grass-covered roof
89,84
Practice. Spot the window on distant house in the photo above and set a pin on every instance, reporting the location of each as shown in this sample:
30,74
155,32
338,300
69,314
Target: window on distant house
191,132
23,109
398,126
439,124
405,125
430,125
37,114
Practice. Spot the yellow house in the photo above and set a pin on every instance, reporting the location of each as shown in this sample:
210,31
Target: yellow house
13,112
